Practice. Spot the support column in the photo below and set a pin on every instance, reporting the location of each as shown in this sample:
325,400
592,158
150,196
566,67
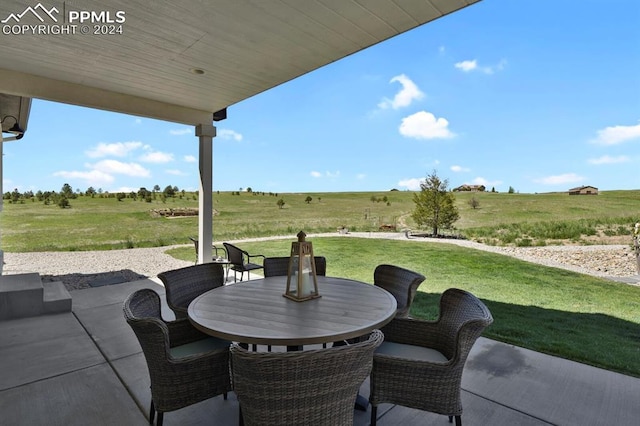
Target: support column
206,133
1,201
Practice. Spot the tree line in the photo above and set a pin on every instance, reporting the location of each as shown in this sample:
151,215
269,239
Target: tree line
66,193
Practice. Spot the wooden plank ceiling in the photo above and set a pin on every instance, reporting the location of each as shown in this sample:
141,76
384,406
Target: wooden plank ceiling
243,47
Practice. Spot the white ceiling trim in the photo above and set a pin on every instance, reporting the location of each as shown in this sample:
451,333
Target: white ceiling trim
21,84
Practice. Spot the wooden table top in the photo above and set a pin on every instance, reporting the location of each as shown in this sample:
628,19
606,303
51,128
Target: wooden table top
256,312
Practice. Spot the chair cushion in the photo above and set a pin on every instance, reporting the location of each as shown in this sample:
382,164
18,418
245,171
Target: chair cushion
416,353
199,346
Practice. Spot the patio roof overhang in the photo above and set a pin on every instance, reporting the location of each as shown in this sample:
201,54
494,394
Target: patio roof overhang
182,61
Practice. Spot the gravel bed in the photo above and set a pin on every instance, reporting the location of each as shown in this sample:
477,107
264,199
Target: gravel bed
79,269
83,269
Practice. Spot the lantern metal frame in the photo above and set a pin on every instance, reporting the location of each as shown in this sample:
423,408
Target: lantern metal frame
302,283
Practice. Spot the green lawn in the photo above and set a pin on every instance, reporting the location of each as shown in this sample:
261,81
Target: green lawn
550,310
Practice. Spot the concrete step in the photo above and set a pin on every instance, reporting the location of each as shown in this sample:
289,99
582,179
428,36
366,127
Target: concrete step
56,298
24,295
21,295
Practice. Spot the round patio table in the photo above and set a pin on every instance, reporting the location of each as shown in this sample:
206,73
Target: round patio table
255,312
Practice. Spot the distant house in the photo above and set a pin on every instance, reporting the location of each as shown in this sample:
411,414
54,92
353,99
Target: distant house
471,188
584,190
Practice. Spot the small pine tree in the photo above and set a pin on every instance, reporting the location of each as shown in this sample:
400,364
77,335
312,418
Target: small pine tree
435,205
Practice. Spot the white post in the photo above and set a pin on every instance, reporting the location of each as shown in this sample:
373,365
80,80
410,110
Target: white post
206,133
1,200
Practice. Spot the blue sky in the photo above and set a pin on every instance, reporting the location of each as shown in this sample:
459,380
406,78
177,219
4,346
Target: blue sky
538,95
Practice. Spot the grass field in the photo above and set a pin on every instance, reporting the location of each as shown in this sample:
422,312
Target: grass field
105,223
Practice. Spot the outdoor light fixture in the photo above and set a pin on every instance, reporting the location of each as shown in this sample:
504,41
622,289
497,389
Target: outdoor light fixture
301,277
15,129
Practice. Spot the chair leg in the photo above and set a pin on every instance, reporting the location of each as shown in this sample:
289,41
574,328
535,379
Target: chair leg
374,414
240,417
224,395
160,418
458,420
152,413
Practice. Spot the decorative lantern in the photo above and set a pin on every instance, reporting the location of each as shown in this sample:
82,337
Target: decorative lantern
301,277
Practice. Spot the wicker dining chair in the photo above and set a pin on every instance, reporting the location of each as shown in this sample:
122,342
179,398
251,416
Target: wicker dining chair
401,283
279,266
185,284
240,261
185,365
420,363
316,387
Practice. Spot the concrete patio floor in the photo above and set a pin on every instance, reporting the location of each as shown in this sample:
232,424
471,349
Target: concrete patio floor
87,368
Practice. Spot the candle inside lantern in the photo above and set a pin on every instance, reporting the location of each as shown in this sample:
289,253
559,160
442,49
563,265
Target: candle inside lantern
301,279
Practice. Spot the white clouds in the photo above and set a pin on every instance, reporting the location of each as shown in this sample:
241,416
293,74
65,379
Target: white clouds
103,172
92,177
157,157
405,96
183,131
424,125
118,167
189,159
319,175
472,65
125,189
467,66
459,169
229,134
412,184
560,179
361,176
118,149
482,181
614,135
605,159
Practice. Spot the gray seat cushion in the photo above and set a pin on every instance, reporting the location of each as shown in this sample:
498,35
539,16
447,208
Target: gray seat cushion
417,353
201,346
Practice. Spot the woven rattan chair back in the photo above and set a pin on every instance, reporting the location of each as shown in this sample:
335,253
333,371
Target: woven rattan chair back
278,266
424,385
185,284
400,282
314,387
175,382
